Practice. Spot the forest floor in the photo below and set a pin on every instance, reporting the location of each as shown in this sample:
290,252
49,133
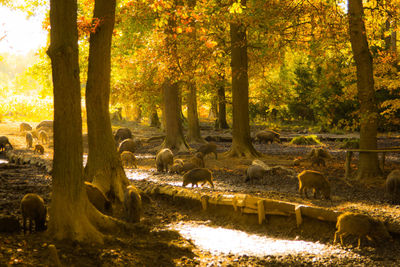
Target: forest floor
175,234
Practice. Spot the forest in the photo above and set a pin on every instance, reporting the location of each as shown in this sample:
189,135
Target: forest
257,100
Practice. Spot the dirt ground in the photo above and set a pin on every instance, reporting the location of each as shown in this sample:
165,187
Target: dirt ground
155,243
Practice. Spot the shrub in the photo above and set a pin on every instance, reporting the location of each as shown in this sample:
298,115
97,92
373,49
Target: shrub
305,140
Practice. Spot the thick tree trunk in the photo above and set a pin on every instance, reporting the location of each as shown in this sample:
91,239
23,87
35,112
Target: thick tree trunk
241,142
104,165
174,138
69,205
222,124
368,162
193,118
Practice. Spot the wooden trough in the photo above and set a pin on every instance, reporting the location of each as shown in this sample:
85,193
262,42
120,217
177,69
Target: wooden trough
247,204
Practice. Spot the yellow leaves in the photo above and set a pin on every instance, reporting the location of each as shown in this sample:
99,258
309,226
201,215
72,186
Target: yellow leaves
211,44
236,8
178,30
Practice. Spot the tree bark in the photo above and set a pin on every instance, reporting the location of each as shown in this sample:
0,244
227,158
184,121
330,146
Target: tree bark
368,165
69,204
174,138
222,124
241,142
193,118
104,165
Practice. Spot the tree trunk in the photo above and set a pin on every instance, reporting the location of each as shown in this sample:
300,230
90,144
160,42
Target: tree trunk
154,120
193,118
104,165
222,124
368,165
69,204
241,142
174,138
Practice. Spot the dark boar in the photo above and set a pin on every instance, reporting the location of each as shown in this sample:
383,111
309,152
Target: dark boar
128,159
268,137
24,127
39,149
198,175
97,198
29,139
9,224
128,145
4,142
132,204
318,156
208,149
33,209
163,159
254,172
392,186
314,180
360,225
121,134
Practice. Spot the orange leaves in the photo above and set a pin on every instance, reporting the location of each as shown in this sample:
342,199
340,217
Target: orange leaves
87,26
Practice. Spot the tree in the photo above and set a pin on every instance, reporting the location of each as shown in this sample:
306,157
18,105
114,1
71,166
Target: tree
69,206
193,117
174,138
221,122
368,165
241,142
104,164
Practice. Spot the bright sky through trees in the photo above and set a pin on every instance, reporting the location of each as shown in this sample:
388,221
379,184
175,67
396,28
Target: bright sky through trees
22,34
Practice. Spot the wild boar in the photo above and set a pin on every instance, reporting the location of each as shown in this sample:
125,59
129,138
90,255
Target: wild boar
132,204
392,186
24,127
9,224
43,137
128,159
198,175
128,145
164,158
33,209
268,137
187,166
316,181
97,198
176,167
121,134
360,225
208,149
39,149
318,156
4,142
254,172
29,139
45,123
198,159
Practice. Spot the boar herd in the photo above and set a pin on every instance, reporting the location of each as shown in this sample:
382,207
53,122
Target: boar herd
193,173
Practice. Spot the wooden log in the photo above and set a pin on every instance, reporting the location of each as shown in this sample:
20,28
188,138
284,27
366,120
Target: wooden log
299,219
261,211
347,170
383,156
276,206
204,201
320,213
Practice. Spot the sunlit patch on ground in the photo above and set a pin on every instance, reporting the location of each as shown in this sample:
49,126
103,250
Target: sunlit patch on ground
219,240
145,156
3,161
136,175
